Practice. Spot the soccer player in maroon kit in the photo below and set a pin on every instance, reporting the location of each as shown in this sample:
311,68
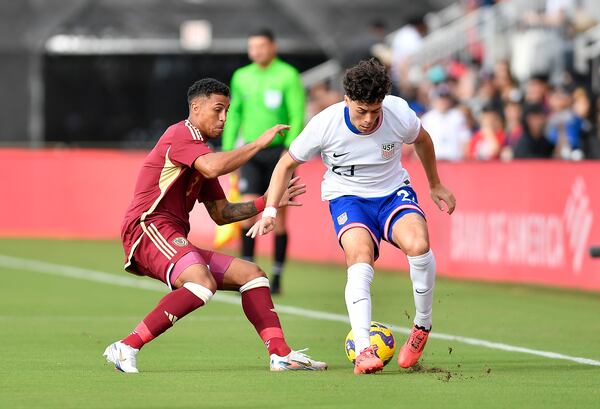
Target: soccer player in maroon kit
178,171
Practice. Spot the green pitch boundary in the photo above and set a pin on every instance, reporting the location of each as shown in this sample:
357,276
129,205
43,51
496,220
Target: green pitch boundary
132,282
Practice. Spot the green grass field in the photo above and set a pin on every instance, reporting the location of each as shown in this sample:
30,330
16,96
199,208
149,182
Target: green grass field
55,328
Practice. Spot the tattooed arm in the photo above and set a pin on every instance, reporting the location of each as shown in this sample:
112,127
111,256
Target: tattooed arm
224,212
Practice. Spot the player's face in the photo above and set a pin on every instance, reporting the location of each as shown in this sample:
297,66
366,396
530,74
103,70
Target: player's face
363,116
261,50
209,114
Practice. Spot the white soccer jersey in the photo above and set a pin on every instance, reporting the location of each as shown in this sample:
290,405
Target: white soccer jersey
357,164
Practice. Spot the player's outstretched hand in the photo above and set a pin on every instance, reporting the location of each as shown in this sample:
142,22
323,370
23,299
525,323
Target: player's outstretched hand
262,227
441,194
267,137
293,190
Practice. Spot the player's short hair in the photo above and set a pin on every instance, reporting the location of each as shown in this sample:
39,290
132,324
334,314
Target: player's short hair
263,32
368,81
205,88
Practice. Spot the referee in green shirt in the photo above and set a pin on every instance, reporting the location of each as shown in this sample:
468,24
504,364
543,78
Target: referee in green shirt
263,94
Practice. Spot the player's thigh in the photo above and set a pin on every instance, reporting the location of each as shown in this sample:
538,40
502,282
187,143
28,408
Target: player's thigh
239,273
198,274
410,233
358,246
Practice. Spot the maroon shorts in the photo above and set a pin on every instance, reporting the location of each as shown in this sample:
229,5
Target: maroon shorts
163,245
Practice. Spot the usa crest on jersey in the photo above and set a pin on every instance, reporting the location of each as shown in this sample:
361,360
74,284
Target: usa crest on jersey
388,150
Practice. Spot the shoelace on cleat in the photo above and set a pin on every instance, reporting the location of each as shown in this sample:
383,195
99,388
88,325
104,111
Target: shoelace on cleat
369,352
416,339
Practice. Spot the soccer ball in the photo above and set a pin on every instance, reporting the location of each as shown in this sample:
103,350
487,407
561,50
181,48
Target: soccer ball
381,336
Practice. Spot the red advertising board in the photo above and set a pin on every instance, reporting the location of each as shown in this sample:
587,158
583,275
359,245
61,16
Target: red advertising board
530,221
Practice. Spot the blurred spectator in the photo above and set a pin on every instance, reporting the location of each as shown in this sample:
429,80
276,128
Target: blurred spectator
487,95
533,143
466,86
446,125
513,128
470,121
536,90
503,80
582,107
361,47
564,127
320,96
488,141
406,42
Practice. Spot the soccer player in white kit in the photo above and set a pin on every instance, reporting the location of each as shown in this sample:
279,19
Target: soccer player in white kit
370,197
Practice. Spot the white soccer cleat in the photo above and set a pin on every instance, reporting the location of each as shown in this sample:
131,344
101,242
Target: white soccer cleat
296,361
123,356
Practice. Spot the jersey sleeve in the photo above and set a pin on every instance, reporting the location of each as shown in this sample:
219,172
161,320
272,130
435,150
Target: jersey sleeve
308,143
211,190
408,123
185,149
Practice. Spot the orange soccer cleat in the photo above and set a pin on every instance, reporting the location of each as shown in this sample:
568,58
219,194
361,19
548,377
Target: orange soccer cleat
368,361
413,348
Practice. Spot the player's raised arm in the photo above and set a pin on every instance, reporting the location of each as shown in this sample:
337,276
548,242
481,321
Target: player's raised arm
426,153
215,164
277,187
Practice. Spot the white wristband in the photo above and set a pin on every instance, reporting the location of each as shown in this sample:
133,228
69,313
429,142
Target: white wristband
269,211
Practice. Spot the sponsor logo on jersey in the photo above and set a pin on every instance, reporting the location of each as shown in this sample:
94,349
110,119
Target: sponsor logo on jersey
342,218
337,155
180,241
388,150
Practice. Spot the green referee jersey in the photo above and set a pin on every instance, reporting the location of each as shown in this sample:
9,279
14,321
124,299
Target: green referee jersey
262,98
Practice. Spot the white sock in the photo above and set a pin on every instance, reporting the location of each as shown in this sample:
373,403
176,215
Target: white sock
358,302
422,274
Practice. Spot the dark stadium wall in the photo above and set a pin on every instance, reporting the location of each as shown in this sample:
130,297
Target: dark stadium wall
527,222
140,95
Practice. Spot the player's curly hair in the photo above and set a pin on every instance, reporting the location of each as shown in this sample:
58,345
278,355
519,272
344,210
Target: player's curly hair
205,88
367,82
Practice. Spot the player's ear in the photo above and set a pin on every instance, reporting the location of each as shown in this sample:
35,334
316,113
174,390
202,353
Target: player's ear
194,106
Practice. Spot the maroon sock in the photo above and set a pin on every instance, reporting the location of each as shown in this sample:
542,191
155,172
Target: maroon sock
259,309
173,306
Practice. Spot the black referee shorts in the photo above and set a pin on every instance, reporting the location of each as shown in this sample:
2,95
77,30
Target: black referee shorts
255,175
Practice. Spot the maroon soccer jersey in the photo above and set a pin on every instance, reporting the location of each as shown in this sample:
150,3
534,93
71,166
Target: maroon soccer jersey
168,186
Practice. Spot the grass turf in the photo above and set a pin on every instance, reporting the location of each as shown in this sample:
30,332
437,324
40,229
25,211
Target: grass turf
54,329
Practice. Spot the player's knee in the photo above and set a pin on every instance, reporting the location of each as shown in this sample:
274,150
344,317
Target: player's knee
205,280
200,291
416,246
252,272
254,279
209,283
361,254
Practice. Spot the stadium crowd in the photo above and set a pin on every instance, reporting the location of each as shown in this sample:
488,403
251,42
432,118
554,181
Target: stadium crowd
473,113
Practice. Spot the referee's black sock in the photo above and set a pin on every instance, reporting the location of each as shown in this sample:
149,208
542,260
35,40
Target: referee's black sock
280,253
281,241
247,246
